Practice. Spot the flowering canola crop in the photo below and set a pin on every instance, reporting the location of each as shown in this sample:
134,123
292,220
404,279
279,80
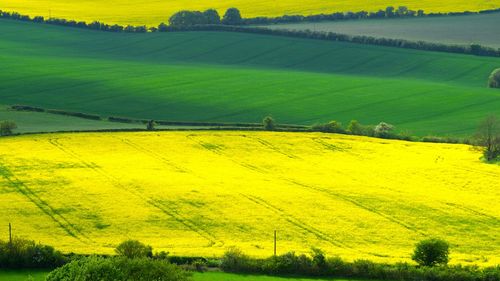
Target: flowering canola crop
197,193
153,12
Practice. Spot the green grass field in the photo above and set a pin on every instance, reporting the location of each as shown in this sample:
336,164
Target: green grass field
22,275
215,76
463,30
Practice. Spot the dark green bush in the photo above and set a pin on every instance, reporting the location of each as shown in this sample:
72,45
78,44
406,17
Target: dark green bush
431,252
22,253
134,249
234,260
118,269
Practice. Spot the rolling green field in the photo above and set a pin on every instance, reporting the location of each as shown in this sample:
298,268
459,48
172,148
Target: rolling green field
463,30
22,275
216,76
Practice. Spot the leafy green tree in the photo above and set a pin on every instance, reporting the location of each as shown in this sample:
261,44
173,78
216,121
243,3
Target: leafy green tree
151,125
488,136
232,17
431,252
211,16
355,127
187,18
494,80
389,12
384,130
7,128
269,123
134,249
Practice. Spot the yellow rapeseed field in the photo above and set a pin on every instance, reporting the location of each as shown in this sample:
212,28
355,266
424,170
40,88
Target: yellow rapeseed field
197,193
153,12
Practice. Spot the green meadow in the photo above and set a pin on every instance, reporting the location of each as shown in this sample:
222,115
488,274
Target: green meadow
234,77
462,30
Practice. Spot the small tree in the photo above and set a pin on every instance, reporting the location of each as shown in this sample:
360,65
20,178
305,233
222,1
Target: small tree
151,125
494,80
355,127
134,249
383,130
7,128
232,17
431,252
211,16
488,136
269,123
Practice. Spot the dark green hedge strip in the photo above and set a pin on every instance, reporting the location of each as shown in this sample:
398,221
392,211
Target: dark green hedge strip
389,12
318,265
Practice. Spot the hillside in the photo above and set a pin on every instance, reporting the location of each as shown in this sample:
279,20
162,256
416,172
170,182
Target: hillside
153,12
198,193
462,30
220,76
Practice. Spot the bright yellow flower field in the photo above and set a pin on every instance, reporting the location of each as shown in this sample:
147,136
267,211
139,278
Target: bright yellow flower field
153,12
197,193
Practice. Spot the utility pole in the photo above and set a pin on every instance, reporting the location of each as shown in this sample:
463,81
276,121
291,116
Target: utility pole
275,243
10,234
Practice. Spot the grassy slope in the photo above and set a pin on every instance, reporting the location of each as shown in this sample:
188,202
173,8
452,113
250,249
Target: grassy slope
452,30
197,193
152,12
28,122
210,76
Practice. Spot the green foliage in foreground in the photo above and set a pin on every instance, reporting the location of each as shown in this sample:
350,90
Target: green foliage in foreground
118,269
22,253
232,77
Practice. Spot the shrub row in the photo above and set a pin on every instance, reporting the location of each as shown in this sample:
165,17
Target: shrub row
96,25
317,264
382,130
389,12
21,253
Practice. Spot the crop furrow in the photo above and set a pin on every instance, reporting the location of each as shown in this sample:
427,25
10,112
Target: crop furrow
294,221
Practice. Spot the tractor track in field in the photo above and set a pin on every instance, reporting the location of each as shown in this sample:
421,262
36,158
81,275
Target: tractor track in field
213,241
327,192
219,152
345,198
151,201
473,211
43,205
294,221
154,155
